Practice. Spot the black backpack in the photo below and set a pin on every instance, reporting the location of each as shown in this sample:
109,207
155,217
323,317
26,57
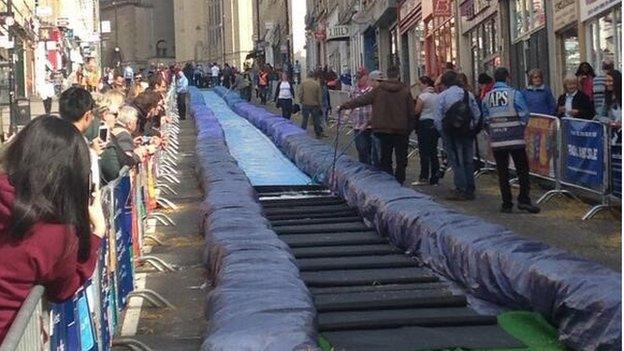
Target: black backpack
456,120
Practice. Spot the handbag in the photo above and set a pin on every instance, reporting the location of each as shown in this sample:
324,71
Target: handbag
296,108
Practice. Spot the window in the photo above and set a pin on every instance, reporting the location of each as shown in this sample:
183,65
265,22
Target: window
605,35
526,17
161,48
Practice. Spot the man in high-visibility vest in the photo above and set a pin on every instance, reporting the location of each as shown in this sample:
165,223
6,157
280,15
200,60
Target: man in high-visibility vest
505,116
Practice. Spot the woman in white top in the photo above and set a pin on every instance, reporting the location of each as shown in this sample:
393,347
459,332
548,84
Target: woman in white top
427,133
284,94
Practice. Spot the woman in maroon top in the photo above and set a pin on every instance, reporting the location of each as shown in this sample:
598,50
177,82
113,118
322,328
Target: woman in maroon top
51,223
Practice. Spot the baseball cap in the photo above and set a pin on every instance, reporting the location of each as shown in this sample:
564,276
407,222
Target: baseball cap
377,75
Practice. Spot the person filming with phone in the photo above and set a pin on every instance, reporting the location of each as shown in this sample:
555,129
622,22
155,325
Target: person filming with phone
51,218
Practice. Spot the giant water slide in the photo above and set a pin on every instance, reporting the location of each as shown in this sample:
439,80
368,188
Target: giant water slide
367,264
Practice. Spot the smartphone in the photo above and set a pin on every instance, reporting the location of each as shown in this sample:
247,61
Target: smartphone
103,133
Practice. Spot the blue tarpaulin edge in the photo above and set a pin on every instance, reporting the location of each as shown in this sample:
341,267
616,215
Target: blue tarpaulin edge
259,301
580,297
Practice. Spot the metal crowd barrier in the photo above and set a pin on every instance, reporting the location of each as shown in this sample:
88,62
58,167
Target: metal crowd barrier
559,150
89,320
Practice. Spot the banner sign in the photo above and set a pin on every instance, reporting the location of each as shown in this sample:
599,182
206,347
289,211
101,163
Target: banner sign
583,156
337,32
443,8
541,145
591,8
616,170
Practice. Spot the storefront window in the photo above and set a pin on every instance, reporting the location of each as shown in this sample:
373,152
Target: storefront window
484,44
526,16
605,34
570,51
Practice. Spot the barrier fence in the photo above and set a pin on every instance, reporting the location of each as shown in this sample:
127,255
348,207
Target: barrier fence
570,152
90,320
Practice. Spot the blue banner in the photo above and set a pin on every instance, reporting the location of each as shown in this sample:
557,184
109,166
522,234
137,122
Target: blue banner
583,153
616,170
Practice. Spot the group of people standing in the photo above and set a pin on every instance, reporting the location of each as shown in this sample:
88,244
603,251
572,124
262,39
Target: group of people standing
384,114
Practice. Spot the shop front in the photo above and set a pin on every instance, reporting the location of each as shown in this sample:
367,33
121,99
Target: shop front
481,34
529,40
439,27
602,21
411,32
567,49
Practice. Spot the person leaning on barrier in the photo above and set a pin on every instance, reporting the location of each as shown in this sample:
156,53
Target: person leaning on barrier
126,126
51,218
612,108
114,157
181,86
574,103
76,106
505,117
538,97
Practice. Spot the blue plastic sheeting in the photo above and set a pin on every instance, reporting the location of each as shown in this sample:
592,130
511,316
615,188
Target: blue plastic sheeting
580,297
259,302
263,163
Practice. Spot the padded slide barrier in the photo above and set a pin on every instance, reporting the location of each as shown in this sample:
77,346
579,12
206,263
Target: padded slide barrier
259,301
580,297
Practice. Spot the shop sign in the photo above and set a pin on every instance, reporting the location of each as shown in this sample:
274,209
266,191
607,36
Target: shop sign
564,13
62,22
443,8
338,32
591,8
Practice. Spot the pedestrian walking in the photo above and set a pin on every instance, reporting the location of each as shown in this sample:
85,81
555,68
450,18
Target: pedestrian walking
538,97
297,72
392,121
506,115
284,94
361,116
181,91
574,103
214,73
263,85
311,99
457,119
428,136
46,91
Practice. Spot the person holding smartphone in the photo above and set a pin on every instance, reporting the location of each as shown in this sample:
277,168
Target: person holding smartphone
51,218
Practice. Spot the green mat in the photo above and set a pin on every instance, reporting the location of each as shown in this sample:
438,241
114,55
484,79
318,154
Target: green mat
529,327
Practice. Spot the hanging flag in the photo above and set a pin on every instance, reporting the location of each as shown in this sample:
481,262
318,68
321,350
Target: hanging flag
443,8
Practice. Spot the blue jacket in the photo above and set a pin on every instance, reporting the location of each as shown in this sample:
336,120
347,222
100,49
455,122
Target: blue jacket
540,100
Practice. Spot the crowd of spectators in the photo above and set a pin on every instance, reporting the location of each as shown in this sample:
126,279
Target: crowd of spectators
51,217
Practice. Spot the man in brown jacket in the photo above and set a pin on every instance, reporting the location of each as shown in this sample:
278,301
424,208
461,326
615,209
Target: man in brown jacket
392,121
311,99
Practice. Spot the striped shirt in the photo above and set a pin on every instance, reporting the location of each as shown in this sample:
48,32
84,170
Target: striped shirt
361,116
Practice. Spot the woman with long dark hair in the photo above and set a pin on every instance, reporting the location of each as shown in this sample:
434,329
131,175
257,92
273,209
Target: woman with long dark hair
51,222
612,113
585,74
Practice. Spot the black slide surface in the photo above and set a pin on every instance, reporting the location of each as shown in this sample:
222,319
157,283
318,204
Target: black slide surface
368,294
